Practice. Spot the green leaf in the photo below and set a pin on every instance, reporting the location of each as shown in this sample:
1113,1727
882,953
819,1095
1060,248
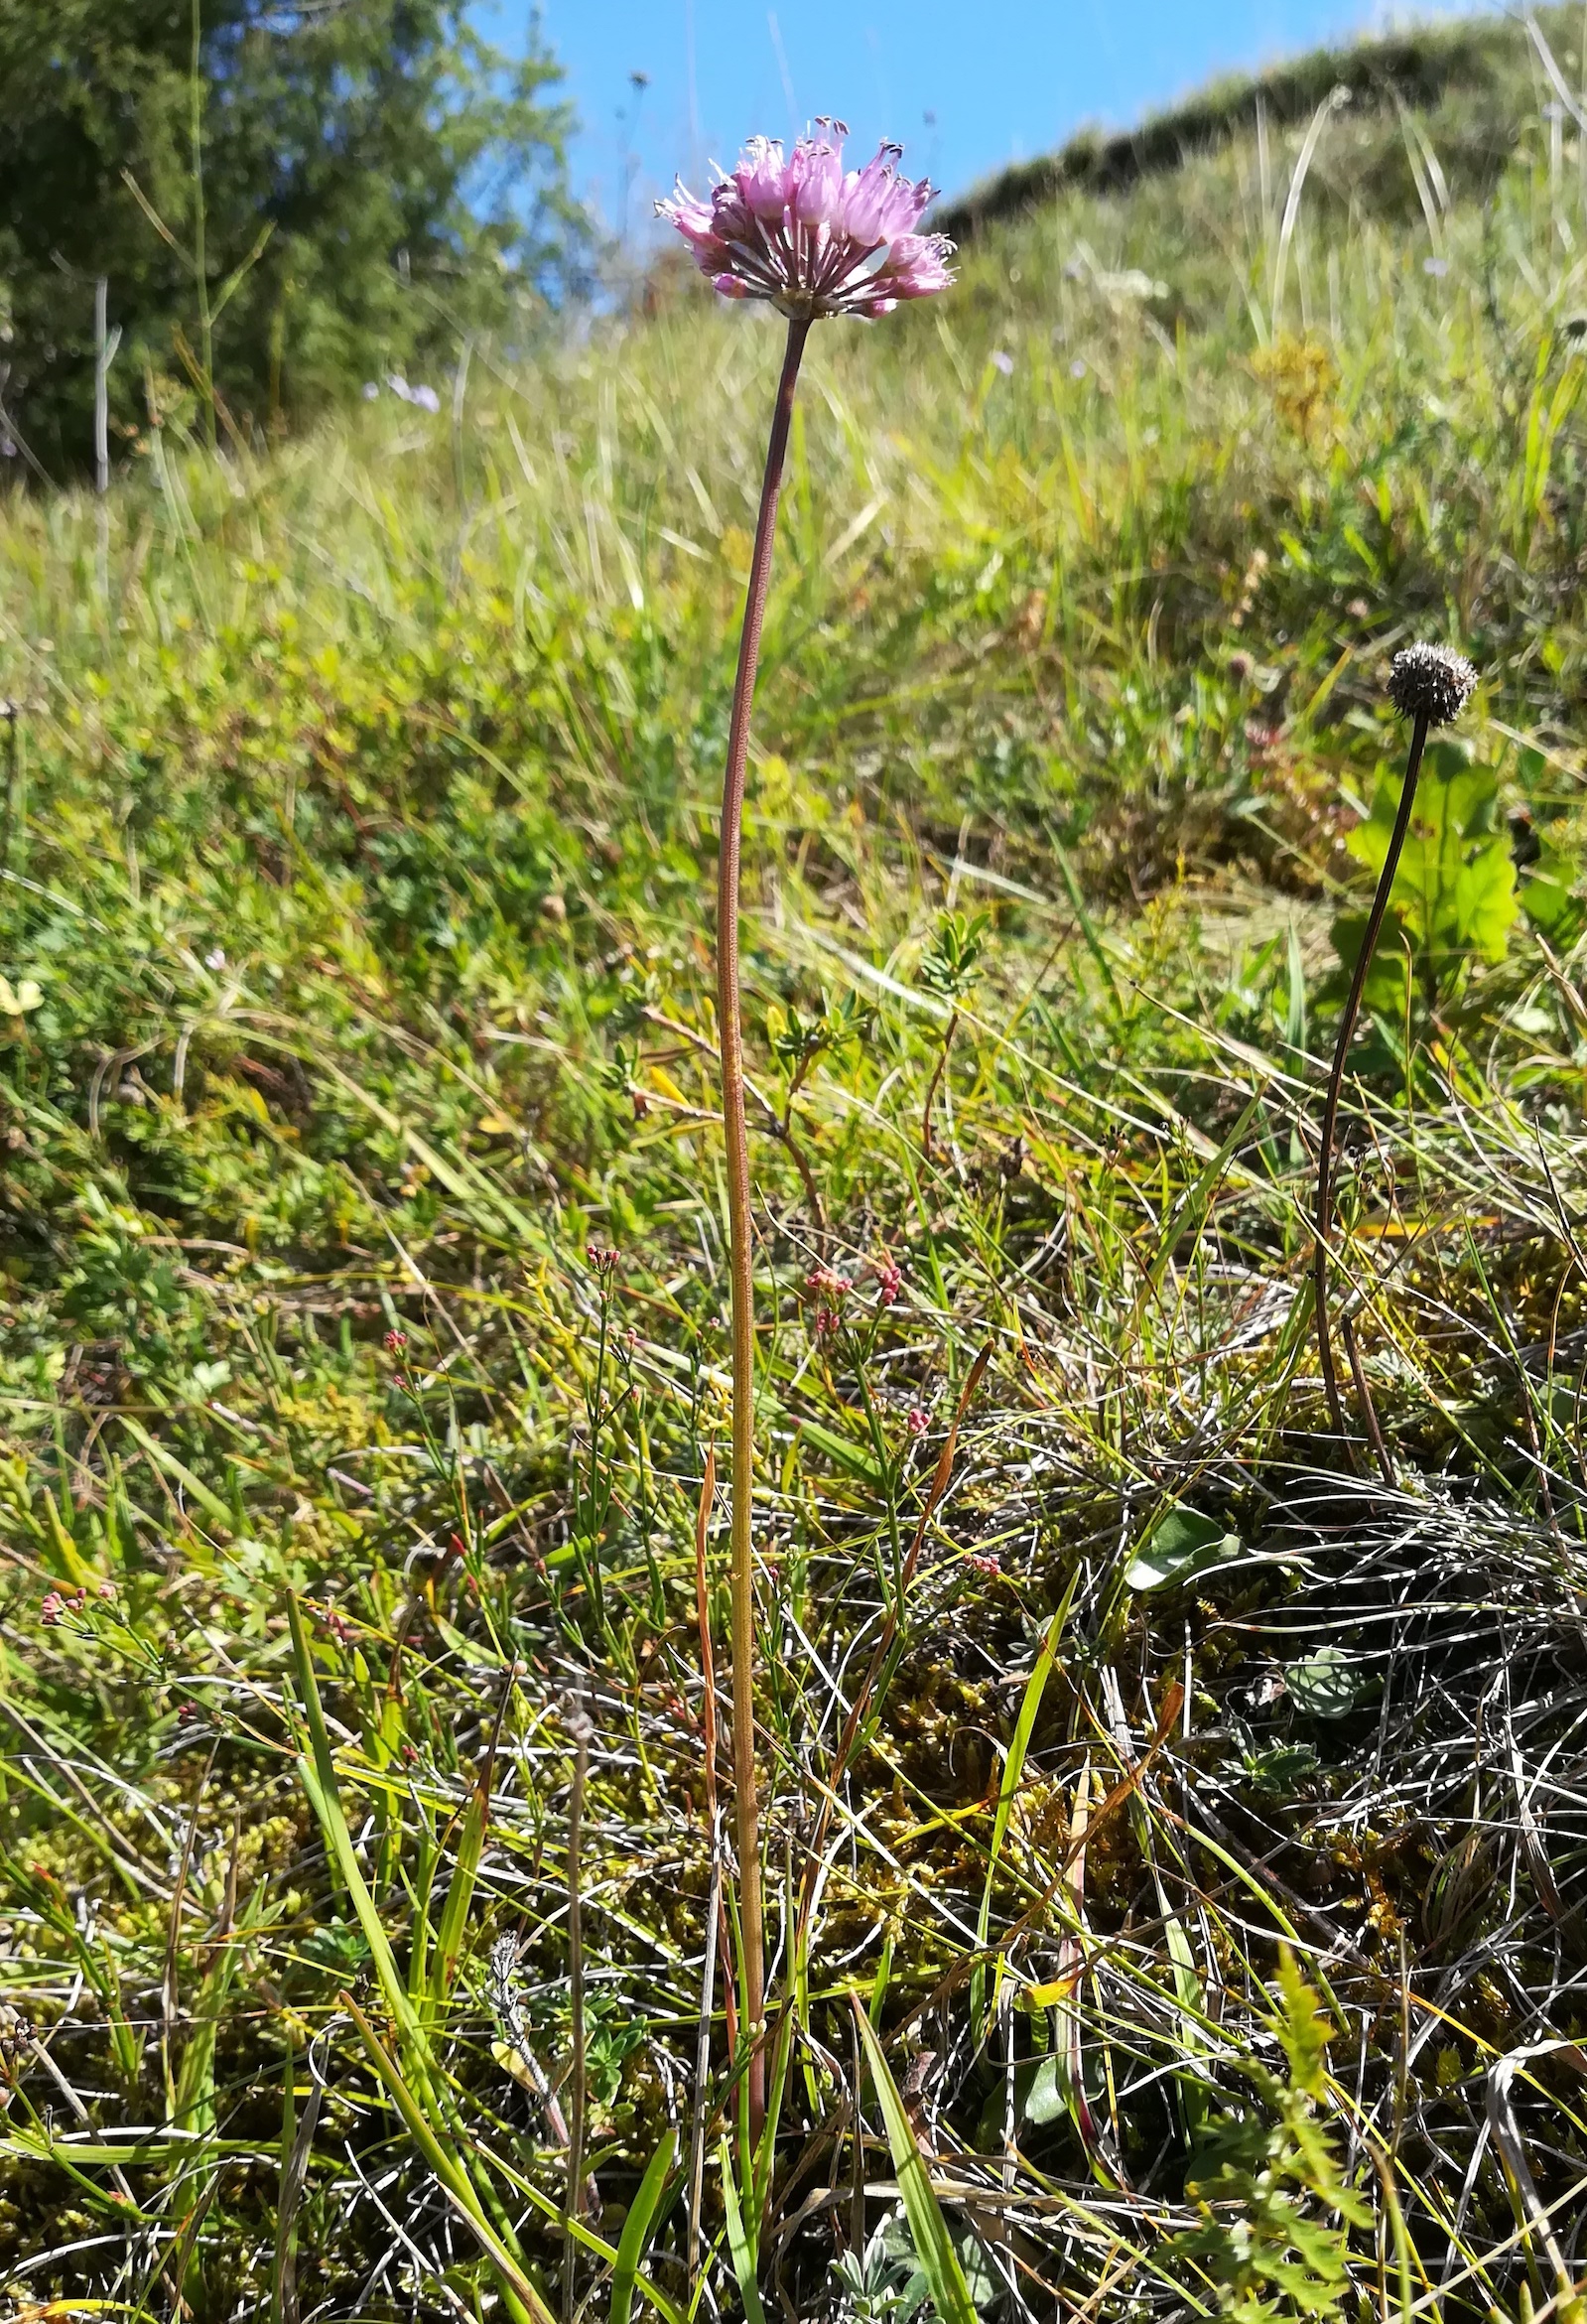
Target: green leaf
1304,2031
1454,891
520,2292
934,2247
1327,1683
742,2252
319,1778
637,2227
1048,2096
1549,896
1007,1790
1181,1544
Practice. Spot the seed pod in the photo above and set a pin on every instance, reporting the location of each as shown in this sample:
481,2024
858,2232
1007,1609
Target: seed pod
1431,682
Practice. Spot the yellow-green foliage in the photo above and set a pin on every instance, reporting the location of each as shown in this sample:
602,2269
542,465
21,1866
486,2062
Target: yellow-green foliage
355,922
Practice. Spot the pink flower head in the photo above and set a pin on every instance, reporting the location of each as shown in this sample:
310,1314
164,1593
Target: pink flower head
889,1281
919,1420
810,239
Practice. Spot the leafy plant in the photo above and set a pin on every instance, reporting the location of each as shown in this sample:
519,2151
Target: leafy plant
950,962
1454,899
1275,2211
1183,1543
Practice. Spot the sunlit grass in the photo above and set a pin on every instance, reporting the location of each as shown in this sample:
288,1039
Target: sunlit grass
358,841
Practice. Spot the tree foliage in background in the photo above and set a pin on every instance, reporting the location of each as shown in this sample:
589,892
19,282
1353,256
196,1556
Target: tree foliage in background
413,181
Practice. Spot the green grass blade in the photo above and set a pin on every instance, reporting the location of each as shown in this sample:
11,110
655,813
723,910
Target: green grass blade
637,2227
319,1782
459,1895
739,2244
938,2262
1009,1789
518,2291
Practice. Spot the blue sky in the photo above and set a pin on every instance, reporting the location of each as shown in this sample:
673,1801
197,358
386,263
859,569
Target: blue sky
967,87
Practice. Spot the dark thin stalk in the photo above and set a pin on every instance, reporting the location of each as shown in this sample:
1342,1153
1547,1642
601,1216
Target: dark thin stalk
1330,1121
746,1807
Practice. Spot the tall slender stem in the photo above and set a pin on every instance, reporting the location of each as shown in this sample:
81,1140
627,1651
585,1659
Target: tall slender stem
1336,1079
731,1033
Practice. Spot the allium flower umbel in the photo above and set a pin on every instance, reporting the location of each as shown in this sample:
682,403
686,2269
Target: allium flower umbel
812,237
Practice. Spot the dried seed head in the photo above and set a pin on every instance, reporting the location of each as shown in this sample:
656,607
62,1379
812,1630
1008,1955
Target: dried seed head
1431,682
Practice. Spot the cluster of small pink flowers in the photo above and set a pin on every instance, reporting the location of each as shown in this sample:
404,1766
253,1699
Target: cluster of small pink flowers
889,1281
918,1421
826,1290
396,1342
55,1605
338,1626
986,1563
604,1262
811,238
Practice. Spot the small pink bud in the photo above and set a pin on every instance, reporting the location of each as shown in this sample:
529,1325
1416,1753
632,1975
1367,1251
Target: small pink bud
396,1342
107,1589
890,1280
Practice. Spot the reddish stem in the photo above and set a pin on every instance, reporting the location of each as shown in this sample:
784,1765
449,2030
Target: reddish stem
747,1806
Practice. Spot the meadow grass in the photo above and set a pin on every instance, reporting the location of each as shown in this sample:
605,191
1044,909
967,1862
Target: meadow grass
1193,1820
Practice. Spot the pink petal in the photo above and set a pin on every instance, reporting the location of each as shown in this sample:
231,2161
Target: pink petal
762,179
817,194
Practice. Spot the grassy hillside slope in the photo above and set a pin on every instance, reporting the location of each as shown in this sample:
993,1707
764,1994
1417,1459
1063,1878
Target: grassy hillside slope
1215,1868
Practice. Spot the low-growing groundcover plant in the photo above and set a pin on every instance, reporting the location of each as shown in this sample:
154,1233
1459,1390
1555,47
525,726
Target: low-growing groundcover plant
368,1896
